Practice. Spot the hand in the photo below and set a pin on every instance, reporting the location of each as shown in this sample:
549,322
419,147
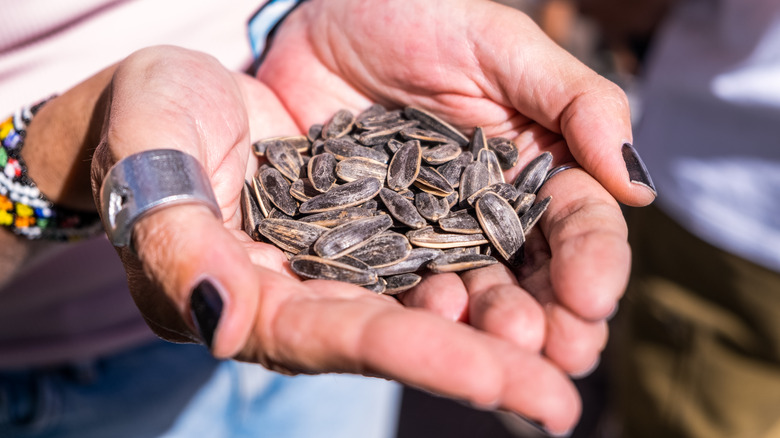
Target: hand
482,64
165,97
475,62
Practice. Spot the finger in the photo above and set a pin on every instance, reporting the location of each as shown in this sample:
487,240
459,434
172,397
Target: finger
329,328
500,307
573,343
588,241
442,294
184,268
529,72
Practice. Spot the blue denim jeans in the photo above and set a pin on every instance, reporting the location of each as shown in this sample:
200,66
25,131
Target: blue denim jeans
172,391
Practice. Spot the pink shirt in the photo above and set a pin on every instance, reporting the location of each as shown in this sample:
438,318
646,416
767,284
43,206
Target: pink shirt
72,303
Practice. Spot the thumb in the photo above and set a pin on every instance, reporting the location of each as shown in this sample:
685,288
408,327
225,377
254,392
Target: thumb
549,85
191,278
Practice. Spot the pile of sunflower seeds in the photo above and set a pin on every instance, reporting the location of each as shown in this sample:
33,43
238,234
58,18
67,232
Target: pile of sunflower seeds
379,198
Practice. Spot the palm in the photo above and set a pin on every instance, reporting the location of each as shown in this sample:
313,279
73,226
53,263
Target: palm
324,59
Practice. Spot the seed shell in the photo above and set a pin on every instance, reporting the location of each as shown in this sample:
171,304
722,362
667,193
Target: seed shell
501,225
314,267
355,168
290,235
404,166
474,177
434,123
428,237
489,159
452,170
277,189
334,218
532,216
461,222
285,158
250,212
347,237
431,181
460,261
339,125
506,151
415,261
342,149
441,154
383,250
530,179
395,284
431,207
346,195
401,208
322,171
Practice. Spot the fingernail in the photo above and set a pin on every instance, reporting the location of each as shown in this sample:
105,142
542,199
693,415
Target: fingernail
637,171
206,307
541,428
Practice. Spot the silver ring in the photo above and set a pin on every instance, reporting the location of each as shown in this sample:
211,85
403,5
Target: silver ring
558,169
147,181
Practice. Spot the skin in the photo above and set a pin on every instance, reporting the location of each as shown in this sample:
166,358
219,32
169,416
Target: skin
515,336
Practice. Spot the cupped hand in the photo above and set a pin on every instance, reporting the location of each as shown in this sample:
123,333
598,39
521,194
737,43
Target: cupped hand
478,63
247,305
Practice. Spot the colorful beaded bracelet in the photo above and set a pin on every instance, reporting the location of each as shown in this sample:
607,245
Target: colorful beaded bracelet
23,208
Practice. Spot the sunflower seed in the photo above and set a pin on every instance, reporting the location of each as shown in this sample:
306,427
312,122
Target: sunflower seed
322,171
250,212
434,123
505,150
314,267
404,166
355,168
504,190
347,237
478,141
277,189
334,218
415,261
461,222
431,181
489,159
452,170
346,195
383,250
441,154
431,207
339,124
314,132
460,261
395,284
428,237
342,149
382,134
290,235
532,216
532,176
302,190
501,225
402,209
285,158
474,177
523,202
424,135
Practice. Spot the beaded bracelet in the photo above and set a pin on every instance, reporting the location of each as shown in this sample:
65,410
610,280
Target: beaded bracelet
24,210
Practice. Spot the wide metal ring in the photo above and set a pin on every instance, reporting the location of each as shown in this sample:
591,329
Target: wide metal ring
147,181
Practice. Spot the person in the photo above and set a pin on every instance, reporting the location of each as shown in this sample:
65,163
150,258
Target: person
70,333
697,350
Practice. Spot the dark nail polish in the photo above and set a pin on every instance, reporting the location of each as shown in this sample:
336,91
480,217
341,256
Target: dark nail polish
206,307
637,172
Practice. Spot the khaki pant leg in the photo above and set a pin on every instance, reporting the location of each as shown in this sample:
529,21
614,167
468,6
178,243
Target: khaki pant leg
697,339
